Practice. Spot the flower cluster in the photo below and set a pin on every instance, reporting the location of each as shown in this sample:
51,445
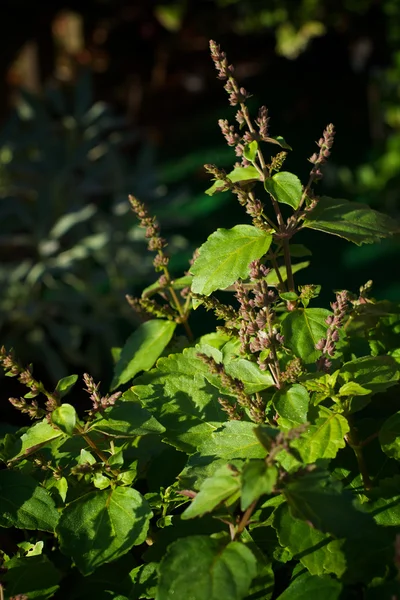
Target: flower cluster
328,345
235,386
222,311
13,368
319,158
156,242
257,333
99,402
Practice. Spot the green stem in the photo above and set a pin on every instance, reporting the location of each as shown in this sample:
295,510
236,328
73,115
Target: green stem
288,263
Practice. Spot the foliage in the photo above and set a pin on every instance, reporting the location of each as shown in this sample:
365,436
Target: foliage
258,461
69,253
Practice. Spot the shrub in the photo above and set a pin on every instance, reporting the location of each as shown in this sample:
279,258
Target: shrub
258,461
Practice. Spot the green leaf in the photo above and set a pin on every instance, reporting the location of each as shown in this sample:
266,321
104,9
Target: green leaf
375,373
302,329
202,568
25,504
291,404
250,151
219,488
384,503
102,526
278,139
33,576
238,174
65,417
142,349
315,550
355,222
389,436
305,587
181,399
235,439
34,439
144,581
285,188
257,479
225,257
323,439
127,420
65,385
250,374
289,296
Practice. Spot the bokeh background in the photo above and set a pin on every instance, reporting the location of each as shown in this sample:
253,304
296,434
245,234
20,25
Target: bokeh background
102,98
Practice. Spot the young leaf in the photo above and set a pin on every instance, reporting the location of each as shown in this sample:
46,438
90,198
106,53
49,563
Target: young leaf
323,439
302,329
223,485
257,479
285,188
142,349
202,568
65,417
355,222
225,257
65,385
144,581
238,174
102,526
291,404
305,586
250,151
26,504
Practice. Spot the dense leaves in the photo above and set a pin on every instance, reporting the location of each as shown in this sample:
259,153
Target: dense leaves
257,461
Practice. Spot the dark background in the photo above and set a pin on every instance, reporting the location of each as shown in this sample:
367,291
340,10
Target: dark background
121,97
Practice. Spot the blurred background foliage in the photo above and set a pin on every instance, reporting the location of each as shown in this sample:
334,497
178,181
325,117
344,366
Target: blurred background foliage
101,98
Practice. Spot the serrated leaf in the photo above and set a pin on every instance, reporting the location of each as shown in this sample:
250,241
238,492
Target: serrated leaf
219,488
238,174
66,384
142,349
65,417
127,420
33,577
258,479
305,587
181,399
323,439
102,526
25,504
292,405
225,257
354,221
202,568
235,439
285,188
302,329
34,439
315,550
